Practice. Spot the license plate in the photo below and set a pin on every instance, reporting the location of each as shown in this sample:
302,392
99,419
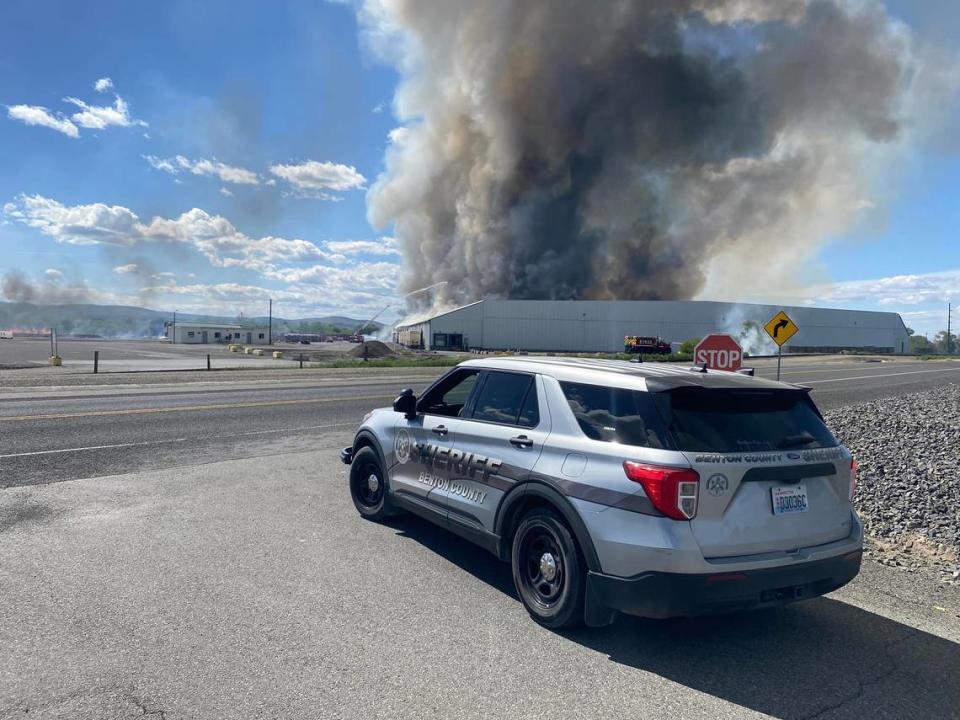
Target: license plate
791,499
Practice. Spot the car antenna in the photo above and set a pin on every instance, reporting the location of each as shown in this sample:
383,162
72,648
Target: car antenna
701,368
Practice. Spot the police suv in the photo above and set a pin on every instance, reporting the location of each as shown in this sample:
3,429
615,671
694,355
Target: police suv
609,486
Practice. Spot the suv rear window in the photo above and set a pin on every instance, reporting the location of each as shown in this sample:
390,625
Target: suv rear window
715,420
699,419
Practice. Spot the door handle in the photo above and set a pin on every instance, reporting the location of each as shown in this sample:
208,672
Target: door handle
440,430
521,441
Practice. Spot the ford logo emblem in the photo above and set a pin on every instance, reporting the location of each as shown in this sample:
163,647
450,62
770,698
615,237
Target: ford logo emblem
794,456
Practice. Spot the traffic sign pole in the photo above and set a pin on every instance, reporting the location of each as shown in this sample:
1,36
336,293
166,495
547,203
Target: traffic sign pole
780,328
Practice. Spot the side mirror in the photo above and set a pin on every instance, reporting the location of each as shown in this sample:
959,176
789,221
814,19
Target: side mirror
406,403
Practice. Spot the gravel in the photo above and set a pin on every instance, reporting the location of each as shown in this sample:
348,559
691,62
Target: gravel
908,453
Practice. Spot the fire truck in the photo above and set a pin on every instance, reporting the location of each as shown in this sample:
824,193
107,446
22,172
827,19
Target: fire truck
645,345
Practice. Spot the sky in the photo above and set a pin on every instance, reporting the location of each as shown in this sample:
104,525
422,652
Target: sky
208,156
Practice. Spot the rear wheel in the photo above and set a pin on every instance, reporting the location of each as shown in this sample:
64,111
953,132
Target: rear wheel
548,571
368,485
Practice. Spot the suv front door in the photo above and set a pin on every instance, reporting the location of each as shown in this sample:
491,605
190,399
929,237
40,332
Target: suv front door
499,440
422,446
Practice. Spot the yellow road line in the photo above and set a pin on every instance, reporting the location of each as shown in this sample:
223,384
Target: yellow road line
188,408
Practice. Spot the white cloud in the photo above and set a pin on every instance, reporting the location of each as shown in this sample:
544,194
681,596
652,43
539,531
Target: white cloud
895,290
160,163
98,117
307,278
210,168
398,135
383,246
226,192
212,235
313,175
91,117
53,274
227,173
379,278
78,225
36,115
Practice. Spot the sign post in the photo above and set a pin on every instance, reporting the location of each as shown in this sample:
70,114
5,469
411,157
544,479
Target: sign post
719,352
781,328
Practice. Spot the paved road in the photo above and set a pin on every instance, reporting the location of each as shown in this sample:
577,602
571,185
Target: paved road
205,561
245,589
62,434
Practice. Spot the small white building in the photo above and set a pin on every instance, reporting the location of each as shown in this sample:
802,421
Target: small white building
194,333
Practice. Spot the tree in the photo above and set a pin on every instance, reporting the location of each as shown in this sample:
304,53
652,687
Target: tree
945,344
921,346
688,346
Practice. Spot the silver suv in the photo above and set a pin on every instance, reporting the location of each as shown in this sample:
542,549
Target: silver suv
612,486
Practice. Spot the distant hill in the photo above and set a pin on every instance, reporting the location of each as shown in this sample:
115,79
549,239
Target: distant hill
137,322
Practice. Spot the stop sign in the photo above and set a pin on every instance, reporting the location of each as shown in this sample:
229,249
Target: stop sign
719,352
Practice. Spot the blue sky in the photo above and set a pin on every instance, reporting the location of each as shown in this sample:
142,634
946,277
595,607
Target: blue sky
246,136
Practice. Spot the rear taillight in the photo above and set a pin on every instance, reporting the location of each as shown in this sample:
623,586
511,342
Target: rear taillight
853,478
673,491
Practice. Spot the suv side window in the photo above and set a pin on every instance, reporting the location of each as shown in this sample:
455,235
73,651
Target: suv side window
449,396
503,399
616,415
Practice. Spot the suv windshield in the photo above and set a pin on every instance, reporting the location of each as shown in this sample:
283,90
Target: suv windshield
699,419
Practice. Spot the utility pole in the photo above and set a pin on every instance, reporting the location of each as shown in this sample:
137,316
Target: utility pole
173,338
949,337
270,325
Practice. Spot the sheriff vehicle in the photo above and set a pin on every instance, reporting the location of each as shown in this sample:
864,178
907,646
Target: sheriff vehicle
613,486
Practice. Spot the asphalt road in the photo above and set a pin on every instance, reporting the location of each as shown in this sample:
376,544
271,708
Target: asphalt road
58,435
203,560
249,589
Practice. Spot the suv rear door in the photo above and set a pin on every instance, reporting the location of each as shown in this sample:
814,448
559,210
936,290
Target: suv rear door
499,439
747,443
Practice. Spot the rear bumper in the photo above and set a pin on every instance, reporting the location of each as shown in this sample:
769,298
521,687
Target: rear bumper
662,595
346,455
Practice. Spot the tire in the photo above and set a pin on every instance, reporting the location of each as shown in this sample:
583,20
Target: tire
552,590
365,472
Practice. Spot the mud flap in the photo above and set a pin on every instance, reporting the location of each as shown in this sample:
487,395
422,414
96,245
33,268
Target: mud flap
595,613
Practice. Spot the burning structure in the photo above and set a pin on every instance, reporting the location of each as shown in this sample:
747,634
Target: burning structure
632,150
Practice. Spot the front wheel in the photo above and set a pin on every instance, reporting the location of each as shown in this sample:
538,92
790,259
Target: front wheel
368,488
548,571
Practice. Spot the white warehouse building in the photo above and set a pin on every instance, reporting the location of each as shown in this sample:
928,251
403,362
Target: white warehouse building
601,325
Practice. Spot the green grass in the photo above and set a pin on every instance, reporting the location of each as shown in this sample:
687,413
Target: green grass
434,361
450,361
672,357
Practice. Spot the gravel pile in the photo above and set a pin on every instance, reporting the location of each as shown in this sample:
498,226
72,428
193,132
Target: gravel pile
908,452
